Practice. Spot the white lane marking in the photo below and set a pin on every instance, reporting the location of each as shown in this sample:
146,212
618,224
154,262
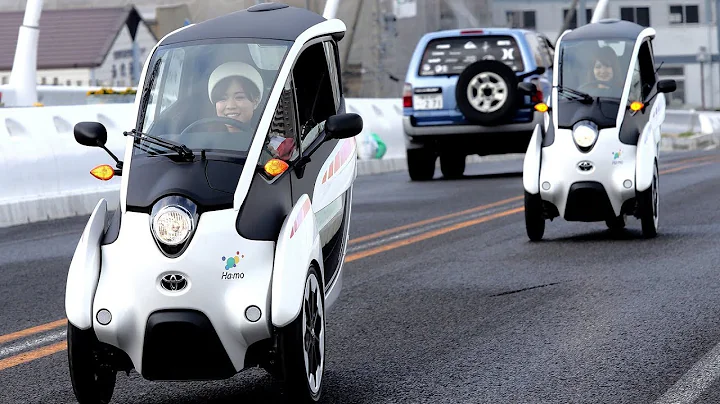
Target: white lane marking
429,227
16,348
695,381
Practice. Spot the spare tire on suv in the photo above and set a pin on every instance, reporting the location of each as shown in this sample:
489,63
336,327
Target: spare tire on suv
486,92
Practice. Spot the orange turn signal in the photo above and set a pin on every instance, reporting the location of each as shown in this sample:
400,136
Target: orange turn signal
103,172
636,106
541,107
275,167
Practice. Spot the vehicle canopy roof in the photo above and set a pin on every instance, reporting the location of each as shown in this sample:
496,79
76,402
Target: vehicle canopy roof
606,29
259,21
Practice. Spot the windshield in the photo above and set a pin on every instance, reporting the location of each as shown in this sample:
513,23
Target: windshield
595,67
209,95
591,78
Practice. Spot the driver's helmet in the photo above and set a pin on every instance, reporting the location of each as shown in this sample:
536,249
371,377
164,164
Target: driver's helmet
246,73
604,70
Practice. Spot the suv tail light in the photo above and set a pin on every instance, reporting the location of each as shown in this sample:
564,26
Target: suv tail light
538,96
407,96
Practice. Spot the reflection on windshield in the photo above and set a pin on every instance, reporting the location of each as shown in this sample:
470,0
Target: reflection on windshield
595,67
211,96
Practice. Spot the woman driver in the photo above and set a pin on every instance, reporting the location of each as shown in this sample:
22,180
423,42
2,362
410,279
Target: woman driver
236,88
604,70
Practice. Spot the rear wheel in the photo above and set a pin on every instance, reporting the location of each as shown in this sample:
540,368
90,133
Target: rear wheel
452,165
534,220
649,203
93,381
421,164
301,345
616,224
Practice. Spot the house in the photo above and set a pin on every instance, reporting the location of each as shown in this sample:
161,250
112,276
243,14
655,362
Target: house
82,47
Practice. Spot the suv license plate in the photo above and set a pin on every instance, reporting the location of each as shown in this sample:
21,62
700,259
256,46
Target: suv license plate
427,101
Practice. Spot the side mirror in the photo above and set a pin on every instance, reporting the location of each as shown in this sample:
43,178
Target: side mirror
528,88
666,86
91,134
343,126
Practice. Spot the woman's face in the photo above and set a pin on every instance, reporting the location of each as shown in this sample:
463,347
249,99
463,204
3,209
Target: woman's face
602,72
235,104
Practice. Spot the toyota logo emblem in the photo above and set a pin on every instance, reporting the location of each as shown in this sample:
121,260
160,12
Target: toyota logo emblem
585,166
173,282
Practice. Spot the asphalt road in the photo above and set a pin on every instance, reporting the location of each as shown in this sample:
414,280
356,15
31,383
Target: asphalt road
455,305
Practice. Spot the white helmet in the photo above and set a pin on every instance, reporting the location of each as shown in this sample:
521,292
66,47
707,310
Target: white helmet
235,69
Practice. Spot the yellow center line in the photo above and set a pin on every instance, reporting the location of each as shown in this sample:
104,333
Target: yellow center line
54,348
32,355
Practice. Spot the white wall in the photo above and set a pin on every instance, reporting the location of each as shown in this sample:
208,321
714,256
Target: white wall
74,75
123,42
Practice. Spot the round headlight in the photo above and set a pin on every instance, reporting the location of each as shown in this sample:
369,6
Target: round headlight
172,225
584,135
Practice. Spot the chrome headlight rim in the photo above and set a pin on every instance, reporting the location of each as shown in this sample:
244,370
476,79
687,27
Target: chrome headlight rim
165,209
589,126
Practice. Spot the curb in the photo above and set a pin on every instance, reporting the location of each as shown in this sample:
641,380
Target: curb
370,167
695,142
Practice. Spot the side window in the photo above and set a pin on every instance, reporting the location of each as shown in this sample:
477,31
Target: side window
544,51
635,84
535,49
331,56
314,93
281,141
647,69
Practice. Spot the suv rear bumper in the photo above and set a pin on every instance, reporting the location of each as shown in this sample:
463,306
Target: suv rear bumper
440,130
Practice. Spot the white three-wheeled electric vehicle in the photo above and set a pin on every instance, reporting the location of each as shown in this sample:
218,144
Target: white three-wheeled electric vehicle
595,158
228,244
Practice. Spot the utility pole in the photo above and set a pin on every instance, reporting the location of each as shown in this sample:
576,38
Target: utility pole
568,17
582,16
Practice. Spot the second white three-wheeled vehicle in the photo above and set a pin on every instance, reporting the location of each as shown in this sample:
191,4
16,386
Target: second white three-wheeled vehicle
227,248
595,157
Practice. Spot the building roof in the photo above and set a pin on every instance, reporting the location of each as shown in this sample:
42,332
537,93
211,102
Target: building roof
266,20
69,38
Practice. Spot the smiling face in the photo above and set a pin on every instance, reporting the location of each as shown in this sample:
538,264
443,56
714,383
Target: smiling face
235,102
602,71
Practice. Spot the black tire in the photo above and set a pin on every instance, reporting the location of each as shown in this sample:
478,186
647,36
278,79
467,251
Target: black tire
498,75
452,165
93,382
649,204
534,220
292,340
616,224
421,164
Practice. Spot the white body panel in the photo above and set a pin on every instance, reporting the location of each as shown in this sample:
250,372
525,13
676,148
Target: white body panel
531,163
560,167
84,270
298,246
129,283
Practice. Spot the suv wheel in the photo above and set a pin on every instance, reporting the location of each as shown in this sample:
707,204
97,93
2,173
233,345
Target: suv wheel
452,165
486,92
421,164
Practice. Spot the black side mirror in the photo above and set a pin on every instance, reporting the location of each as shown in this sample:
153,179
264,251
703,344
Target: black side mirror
528,88
94,134
666,86
343,126
91,134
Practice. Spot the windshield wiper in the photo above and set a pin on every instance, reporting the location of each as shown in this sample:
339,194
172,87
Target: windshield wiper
182,150
146,91
585,98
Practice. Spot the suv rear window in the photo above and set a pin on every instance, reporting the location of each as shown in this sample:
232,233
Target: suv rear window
450,56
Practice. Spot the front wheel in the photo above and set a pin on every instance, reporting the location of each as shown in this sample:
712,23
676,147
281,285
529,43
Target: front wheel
534,220
301,345
93,381
649,203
